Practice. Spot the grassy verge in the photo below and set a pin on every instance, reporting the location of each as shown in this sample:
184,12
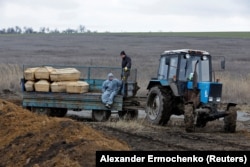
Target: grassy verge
235,88
10,77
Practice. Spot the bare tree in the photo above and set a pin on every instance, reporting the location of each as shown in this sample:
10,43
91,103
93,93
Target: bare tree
2,31
10,30
28,30
47,30
18,30
42,30
82,29
56,31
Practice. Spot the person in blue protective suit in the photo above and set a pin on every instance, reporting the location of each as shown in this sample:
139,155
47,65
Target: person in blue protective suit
110,88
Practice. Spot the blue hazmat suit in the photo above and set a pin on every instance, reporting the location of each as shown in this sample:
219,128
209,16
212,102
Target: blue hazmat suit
110,88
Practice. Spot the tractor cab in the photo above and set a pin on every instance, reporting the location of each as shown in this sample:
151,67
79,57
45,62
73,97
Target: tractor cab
179,65
185,70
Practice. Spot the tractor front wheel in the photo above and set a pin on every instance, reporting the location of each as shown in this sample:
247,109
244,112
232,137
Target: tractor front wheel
230,119
189,118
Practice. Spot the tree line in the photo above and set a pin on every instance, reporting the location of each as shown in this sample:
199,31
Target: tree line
42,30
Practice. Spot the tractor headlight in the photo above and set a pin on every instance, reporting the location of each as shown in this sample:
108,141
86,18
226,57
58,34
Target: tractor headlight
210,98
187,56
204,57
218,99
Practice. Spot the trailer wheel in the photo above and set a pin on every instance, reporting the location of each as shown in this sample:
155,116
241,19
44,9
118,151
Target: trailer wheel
100,115
40,110
230,119
158,106
57,112
189,118
128,114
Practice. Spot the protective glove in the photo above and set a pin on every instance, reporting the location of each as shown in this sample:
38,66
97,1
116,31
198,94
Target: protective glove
126,69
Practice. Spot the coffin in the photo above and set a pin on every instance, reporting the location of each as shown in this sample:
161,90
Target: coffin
43,72
29,86
42,86
77,87
29,74
66,74
59,86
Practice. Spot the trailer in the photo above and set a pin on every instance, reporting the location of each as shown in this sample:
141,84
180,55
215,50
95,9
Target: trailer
57,104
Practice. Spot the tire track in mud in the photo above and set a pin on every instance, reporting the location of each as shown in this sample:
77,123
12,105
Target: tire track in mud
138,142
164,138
221,140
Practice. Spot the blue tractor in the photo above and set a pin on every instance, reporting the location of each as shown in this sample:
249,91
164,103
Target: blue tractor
184,86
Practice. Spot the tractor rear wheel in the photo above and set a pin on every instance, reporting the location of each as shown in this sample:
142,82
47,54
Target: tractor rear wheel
230,120
158,106
100,115
189,118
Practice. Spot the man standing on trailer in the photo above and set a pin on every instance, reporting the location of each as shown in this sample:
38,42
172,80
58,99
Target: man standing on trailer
126,66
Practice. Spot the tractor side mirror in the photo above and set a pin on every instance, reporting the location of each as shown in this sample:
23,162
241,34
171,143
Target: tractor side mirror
223,64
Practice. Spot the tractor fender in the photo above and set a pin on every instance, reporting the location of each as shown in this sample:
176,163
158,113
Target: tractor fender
230,104
153,83
164,83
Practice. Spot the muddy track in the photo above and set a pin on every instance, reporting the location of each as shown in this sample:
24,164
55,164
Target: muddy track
137,141
212,137
165,138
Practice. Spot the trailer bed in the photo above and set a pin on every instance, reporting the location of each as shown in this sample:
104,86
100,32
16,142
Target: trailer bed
83,101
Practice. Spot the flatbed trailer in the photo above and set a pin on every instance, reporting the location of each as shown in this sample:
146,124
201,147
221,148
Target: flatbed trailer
57,104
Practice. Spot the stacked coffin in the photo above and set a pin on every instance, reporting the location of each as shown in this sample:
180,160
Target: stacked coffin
46,79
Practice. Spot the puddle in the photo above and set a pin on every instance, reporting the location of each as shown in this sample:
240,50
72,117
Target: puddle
243,116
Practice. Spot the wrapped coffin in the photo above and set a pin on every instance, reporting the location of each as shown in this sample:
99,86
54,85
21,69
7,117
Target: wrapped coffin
77,87
29,73
43,72
59,86
66,74
29,86
42,86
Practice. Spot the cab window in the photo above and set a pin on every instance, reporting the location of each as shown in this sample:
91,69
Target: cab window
173,67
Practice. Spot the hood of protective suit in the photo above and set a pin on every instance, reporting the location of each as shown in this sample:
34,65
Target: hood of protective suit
110,75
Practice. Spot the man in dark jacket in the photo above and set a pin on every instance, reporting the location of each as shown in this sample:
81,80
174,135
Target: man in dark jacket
126,66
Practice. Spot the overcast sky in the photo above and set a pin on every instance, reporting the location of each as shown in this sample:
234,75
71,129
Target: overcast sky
128,15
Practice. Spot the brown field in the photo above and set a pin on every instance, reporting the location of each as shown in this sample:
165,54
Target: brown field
45,141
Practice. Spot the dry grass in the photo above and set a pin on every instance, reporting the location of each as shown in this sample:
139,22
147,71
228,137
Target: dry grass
235,87
132,125
10,76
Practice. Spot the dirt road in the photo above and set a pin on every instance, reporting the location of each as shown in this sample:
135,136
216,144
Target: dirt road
142,136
